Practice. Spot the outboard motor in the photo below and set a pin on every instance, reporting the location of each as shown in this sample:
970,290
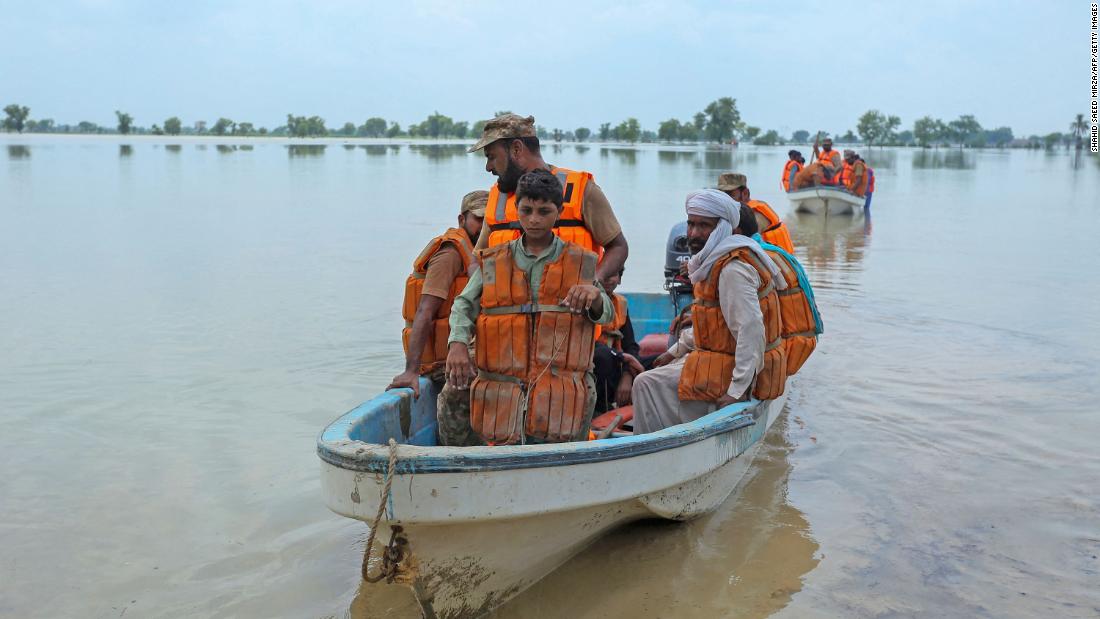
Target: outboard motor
677,253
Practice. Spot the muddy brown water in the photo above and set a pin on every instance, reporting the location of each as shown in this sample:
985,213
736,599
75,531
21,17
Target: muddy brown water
180,319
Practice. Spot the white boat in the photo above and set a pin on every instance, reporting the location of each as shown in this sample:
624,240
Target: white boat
468,528
826,201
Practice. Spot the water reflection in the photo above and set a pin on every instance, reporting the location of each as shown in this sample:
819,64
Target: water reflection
125,150
439,152
827,242
951,159
246,147
173,148
305,150
374,150
675,156
881,159
581,148
349,147
226,148
19,151
720,159
200,146
628,156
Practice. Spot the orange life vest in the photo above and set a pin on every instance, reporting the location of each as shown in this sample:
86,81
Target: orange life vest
854,177
435,348
503,220
612,334
834,160
775,232
798,328
785,181
708,369
532,353
870,178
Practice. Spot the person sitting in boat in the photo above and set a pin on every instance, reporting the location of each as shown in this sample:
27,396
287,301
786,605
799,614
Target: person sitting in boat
812,175
616,360
511,149
439,273
535,304
795,162
830,160
732,351
854,174
772,227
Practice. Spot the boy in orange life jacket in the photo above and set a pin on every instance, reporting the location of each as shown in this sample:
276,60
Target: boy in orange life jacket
440,272
534,304
512,149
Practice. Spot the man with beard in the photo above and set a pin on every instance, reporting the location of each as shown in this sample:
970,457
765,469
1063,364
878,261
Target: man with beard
830,160
511,149
439,274
733,350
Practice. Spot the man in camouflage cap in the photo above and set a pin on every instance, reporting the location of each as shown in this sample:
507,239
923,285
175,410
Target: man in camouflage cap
439,274
511,147
772,228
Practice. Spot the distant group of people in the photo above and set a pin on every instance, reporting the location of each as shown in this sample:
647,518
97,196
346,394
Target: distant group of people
513,312
848,171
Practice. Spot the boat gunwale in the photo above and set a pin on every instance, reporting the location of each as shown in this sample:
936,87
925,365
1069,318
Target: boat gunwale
354,455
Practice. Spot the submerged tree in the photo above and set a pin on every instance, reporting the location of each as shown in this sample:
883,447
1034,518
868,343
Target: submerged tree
800,136
669,130
223,126
16,117
581,133
723,120
1079,128
966,130
172,126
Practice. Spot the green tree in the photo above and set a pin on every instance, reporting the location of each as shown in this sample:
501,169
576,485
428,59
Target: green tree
929,131
16,117
965,130
669,130
1051,140
750,134
393,131
46,125
688,132
771,138
348,129
605,131
699,121
86,126
541,132
375,127
262,131
223,126
582,133
558,135
723,119
156,130
629,130
872,127
460,129
244,129
1078,129
999,137
315,126
125,122
801,136
172,126
905,138
477,129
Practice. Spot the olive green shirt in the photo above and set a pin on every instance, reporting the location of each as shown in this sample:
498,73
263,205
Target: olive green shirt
467,305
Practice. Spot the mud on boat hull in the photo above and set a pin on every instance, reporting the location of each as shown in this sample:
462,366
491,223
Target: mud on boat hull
483,524
826,201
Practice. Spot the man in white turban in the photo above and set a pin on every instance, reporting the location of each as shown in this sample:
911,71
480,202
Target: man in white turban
713,232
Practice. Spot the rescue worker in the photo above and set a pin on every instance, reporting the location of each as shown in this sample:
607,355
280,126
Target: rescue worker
534,304
616,360
771,226
830,159
854,175
440,272
732,351
791,168
870,185
809,176
512,149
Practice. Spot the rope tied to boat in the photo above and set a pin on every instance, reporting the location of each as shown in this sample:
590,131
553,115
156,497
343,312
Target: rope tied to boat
394,551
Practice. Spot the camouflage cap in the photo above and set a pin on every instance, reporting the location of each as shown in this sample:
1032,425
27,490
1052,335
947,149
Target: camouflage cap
505,126
728,181
474,202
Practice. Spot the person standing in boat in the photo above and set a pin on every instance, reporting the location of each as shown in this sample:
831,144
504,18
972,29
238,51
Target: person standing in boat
512,149
733,350
440,272
854,174
772,228
795,162
534,304
830,160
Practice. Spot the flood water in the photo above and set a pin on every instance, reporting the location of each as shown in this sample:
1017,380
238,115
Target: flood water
180,319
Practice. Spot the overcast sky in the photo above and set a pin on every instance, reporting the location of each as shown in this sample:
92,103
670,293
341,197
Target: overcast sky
790,66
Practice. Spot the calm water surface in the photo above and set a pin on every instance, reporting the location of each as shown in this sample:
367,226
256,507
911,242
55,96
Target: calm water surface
181,319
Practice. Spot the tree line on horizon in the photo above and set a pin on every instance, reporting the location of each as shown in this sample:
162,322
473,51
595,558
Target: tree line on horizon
719,122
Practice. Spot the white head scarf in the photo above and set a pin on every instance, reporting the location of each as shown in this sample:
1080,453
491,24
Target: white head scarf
715,203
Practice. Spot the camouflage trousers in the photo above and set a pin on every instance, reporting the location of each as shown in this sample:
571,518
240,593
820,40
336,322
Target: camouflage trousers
452,413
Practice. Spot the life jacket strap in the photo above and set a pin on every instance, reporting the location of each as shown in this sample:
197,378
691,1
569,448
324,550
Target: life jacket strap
500,378
526,308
